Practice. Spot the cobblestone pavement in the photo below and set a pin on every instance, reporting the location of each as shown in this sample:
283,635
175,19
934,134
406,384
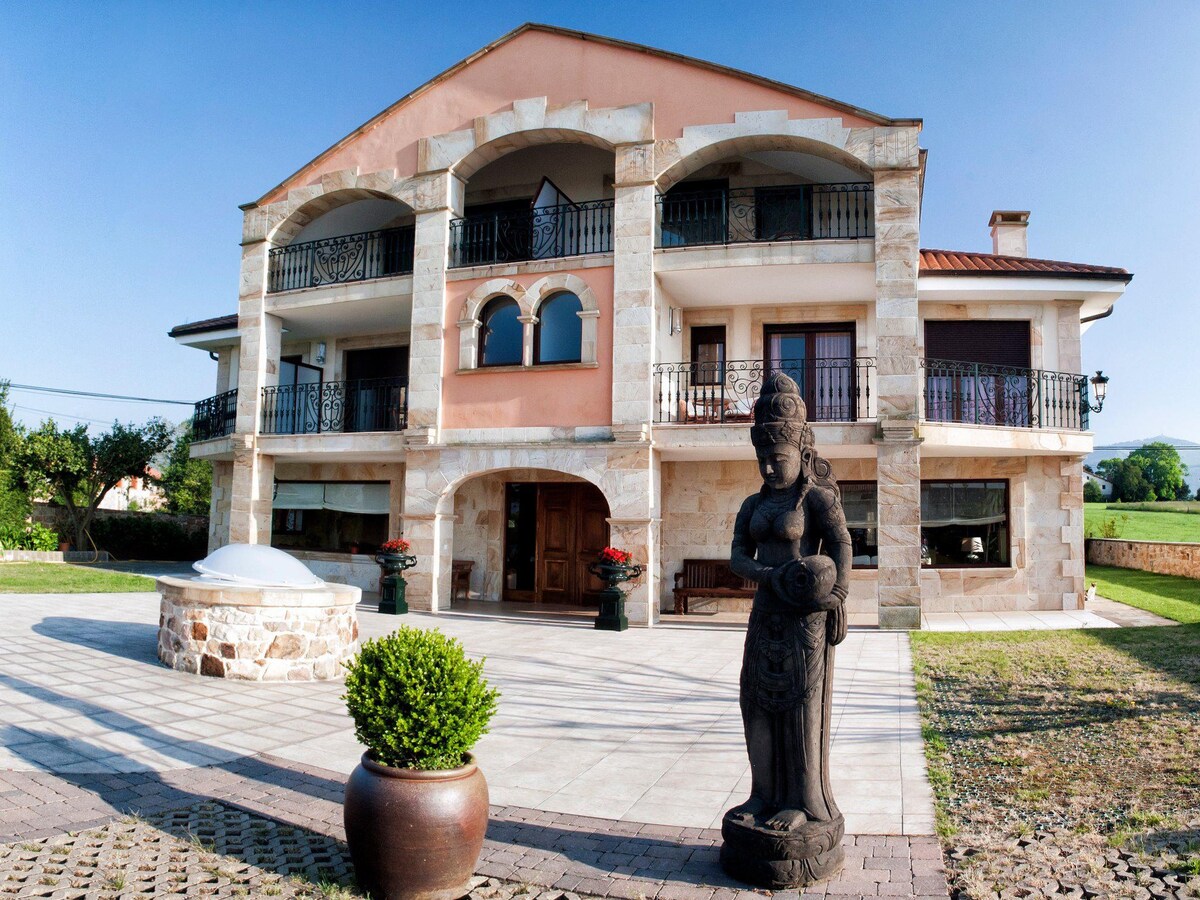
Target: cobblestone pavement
263,826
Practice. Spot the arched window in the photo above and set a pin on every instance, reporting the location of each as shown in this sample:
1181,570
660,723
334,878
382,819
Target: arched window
500,334
559,334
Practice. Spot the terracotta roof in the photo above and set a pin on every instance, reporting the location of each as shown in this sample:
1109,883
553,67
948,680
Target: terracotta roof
957,262
220,323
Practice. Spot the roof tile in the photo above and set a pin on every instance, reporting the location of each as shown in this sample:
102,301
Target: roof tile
959,262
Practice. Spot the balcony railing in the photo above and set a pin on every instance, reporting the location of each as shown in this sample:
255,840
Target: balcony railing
801,212
370,404
337,260
696,393
546,232
214,417
977,394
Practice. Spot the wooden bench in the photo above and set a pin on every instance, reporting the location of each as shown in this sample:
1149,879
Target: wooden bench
708,578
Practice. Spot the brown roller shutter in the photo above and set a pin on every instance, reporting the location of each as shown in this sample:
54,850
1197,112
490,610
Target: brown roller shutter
995,343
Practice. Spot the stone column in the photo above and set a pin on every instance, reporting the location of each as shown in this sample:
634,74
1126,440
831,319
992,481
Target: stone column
1071,509
435,202
632,482
253,476
633,292
428,528
898,391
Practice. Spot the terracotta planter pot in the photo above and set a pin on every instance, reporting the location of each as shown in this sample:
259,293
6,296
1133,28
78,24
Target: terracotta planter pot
415,835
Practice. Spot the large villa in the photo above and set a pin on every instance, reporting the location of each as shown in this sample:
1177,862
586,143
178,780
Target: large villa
524,312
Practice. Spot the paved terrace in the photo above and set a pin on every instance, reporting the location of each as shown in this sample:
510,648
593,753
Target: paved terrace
610,762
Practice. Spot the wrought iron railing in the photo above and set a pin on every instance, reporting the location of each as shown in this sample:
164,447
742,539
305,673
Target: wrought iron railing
336,260
696,393
214,417
977,394
370,404
546,232
800,212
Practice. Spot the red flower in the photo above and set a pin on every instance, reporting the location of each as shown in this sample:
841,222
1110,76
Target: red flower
395,545
614,557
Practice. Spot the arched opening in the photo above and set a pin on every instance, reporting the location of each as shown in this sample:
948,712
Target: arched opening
500,333
558,335
342,237
539,202
764,190
526,537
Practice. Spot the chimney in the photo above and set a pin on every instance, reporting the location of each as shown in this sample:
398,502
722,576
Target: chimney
1008,232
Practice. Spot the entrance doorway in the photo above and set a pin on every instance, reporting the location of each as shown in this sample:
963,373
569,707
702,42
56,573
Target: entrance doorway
553,531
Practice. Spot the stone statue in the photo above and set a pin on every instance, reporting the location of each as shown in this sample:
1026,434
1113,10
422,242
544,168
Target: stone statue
791,539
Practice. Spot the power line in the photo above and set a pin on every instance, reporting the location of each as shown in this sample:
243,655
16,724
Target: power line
93,394
51,412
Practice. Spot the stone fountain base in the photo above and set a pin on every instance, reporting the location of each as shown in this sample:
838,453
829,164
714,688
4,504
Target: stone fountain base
257,633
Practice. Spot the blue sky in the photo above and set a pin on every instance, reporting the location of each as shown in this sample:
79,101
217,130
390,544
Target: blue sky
131,132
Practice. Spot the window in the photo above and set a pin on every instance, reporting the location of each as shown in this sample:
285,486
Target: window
820,358
333,517
695,212
860,502
500,334
708,354
978,372
558,337
964,523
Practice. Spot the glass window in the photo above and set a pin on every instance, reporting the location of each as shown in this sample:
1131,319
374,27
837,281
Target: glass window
860,501
500,337
964,523
559,332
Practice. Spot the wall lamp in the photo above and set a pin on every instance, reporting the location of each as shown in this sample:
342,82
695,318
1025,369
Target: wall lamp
676,320
1100,386
321,353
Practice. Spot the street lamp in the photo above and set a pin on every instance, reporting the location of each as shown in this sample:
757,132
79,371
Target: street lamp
1100,386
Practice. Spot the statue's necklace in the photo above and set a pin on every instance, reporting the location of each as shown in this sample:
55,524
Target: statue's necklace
778,501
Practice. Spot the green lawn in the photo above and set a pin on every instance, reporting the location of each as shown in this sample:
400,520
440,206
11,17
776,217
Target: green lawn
1165,595
62,578
1172,523
1064,755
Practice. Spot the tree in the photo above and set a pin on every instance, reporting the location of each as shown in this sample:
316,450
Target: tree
1162,467
187,482
1092,492
1128,481
77,470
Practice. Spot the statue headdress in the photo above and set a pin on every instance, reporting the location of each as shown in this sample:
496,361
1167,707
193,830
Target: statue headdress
780,416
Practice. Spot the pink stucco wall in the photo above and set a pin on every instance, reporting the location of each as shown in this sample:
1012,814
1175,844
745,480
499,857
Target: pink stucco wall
529,397
563,69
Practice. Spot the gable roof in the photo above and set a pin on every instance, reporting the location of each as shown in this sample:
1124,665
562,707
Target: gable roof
759,80
218,323
958,262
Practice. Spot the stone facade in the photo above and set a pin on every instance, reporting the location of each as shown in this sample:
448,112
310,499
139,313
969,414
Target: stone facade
672,489
256,634
1149,556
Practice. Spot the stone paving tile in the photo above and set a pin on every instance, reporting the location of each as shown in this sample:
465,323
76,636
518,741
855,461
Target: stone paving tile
585,855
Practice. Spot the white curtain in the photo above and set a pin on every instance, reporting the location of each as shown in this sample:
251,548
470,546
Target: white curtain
832,377
962,503
349,497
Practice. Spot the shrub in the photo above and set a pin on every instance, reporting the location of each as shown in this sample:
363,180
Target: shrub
148,536
417,701
30,536
1092,492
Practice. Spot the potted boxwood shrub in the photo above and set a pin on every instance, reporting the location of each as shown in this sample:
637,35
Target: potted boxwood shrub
416,806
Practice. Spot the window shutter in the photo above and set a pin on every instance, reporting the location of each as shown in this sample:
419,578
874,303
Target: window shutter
995,343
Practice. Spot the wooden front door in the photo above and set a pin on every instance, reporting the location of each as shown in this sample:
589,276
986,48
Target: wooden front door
572,528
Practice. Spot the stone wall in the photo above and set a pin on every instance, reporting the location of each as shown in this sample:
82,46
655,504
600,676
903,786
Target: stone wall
256,634
1148,556
700,501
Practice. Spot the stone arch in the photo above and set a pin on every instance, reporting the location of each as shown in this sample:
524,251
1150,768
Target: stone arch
531,122
589,315
719,147
293,218
469,321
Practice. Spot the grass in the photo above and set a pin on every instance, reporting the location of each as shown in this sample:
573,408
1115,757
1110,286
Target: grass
1174,521
63,578
1090,737
1169,596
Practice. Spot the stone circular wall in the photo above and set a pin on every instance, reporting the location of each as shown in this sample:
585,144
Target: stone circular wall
254,633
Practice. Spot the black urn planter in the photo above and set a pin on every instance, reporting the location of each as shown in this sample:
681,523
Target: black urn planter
391,581
612,598
415,834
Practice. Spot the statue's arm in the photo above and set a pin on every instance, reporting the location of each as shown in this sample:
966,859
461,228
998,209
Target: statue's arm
836,537
741,553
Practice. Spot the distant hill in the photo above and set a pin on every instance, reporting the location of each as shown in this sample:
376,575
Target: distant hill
1189,452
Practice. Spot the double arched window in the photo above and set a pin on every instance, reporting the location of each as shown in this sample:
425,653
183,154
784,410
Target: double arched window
558,335
500,333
